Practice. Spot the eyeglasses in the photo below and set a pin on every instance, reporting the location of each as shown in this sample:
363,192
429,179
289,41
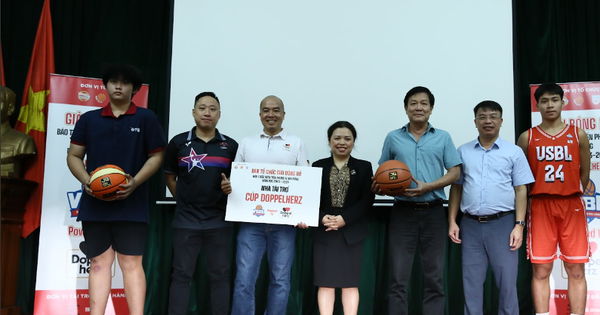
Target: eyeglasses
491,117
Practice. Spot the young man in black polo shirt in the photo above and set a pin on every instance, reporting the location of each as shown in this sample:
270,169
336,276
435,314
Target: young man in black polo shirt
195,162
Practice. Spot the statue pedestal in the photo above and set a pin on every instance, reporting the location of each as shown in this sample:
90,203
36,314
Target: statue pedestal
15,194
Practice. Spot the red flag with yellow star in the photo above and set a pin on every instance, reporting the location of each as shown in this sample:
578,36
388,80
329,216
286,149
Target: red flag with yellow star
32,116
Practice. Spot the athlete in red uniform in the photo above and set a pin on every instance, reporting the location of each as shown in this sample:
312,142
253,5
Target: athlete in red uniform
559,157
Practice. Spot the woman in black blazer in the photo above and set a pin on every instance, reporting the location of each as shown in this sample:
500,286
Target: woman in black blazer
346,197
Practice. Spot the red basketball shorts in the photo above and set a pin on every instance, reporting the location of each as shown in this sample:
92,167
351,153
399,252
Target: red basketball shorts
557,220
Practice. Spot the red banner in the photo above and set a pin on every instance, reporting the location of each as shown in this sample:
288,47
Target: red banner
578,96
86,91
76,302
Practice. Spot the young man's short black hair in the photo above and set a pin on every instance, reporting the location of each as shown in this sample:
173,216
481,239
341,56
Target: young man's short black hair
123,72
417,90
550,88
491,105
203,94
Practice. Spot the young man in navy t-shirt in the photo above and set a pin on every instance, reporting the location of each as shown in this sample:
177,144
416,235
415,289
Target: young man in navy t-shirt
132,138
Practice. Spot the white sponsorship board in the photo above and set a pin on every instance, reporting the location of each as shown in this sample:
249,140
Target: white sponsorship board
274,193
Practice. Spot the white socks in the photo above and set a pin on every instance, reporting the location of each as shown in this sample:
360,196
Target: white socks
549,313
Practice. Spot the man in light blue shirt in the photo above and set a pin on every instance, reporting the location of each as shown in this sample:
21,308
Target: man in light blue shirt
418,216
492,195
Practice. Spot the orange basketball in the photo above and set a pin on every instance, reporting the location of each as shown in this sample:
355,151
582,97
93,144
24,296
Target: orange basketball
393,177
105,181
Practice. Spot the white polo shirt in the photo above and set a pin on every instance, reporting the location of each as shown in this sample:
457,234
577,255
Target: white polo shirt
281,148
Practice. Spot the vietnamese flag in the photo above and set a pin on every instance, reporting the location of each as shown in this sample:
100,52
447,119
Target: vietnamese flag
32,117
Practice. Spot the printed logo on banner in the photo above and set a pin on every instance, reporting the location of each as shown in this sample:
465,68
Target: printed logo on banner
566,100
591,196
74,198
579,100
272,212
74,231
258,211
592,267
286,212
78,265
100,98
71,118
596,99
83,96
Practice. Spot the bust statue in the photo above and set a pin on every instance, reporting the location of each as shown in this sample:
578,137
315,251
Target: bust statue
15,145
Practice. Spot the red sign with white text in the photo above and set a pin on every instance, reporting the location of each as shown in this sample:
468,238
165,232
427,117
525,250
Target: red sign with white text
86,91
578,96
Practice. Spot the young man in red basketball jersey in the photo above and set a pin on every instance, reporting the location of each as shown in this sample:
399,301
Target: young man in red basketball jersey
559,156
132,138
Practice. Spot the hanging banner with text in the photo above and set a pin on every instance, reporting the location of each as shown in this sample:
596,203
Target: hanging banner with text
62,272
274,193
582,109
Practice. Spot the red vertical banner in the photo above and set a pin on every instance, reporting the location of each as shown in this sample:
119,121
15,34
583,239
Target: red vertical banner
32,116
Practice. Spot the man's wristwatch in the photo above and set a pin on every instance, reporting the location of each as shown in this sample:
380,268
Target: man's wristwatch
521,223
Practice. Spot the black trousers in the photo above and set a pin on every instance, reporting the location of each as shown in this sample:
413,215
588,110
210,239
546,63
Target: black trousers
215,245
427,228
